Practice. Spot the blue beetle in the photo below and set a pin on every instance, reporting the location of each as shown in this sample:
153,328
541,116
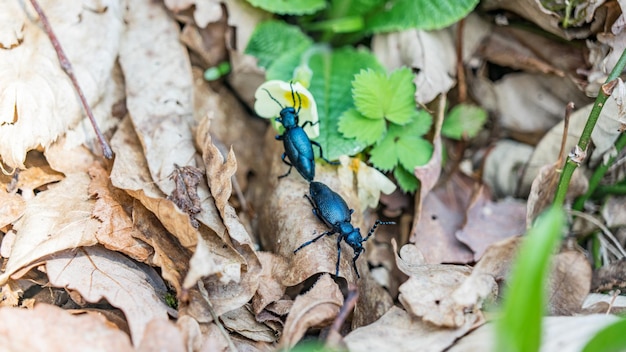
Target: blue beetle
298,146
333,211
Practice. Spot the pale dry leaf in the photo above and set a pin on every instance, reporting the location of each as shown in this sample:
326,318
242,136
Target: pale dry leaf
270,288
488,222
53,329
614,211
207,48
159,95
432,53
243,322
601,303
117,231
567,334
442,215
503,167
37,101
569,283
204,12
57,219
12,206
98,273
244,18
161,335
316,308
399,331
36,176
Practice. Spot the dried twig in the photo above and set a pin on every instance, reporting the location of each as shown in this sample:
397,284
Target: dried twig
67,67
348,306
216,319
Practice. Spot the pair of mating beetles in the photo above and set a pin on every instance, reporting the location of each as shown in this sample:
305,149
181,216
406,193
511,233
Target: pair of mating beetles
328,206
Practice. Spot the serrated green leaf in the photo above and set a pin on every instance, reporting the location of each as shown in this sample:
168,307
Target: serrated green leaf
330,85
281,7
273,39
413,151
383,154
398,15
378,96
406,180
354,125
464,121
421,124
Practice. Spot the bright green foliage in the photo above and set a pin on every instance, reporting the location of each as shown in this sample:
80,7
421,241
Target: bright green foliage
345,8
397,15
330,85
609,339
403,145
354,125
272,41
519,330
378,96
282,7
406,180
464,121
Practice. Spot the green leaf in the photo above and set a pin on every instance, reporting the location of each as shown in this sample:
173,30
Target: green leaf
273,39
282,7
403,144
524,303
406,180
377,96
345,8
398,15
609,339
330,85
464,121
354,125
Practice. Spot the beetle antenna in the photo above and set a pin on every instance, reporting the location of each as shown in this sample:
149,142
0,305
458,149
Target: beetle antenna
274,99
378,222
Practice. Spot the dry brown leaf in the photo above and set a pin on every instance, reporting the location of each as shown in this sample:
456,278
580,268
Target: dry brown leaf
270,288
37,101
243,322
55,220
489,222
610,277
36,176
399,331
117,231
503,167
207,46
559,334
161,335
12,206
97,273
570,281
204,12
613,211
53,329
158,95
442,215
316,308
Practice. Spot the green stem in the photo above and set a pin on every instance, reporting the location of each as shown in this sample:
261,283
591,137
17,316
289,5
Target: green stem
602,191
598,174
583,142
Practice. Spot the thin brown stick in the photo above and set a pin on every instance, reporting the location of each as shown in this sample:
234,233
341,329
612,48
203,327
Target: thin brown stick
460,69
568,113
348,306
216,319
67,67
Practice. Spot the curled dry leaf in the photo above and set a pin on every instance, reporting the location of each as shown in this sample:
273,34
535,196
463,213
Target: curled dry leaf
37,101
97,273
11,207
442,215
316,308
55,220
399,331
503,167
53,329
570,281
270,288
128,227
243,322
158,96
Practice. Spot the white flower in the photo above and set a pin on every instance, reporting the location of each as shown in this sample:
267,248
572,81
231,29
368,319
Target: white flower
370,182
284,95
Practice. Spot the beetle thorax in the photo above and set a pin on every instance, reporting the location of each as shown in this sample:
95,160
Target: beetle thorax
346,229
288,117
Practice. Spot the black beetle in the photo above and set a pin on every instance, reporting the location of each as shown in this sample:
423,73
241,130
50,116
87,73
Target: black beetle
298,146
329,207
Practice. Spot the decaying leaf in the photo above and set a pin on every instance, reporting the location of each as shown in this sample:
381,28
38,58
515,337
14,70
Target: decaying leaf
316,308
399,331
161,335
37,101
610,277
11,207
54,329
570,281
185,194
98,273
243,321
55,220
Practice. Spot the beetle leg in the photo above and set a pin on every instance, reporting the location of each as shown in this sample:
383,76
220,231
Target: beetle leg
288,163
356,256
322,154
327,233
339,238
